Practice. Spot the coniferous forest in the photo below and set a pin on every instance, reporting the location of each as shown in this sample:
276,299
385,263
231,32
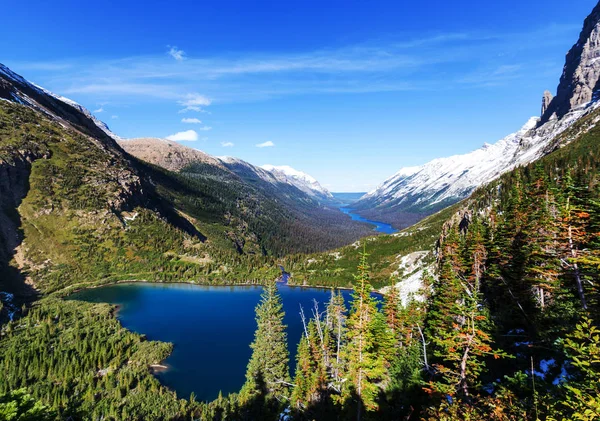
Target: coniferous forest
486,309
505,328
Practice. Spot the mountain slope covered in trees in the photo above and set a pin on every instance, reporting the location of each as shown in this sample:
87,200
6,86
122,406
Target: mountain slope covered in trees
76,209
503,324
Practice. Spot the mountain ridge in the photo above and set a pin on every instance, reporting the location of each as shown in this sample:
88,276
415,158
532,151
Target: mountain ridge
415,192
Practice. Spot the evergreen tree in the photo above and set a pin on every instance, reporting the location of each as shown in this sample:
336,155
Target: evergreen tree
365,364
267,375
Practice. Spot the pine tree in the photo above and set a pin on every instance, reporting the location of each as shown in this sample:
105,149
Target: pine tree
336,325
458,322
365,363
267,375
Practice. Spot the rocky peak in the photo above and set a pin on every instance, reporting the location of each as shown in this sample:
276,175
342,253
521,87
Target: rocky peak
581,75
546,100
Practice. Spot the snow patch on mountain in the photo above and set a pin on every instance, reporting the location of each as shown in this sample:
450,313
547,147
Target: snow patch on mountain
299,179
451,179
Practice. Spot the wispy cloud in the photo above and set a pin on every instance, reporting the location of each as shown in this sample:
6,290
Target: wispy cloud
114,117
227,144
99,110
194,102
176,53
187,136
432,62
267,144
191,121
493,76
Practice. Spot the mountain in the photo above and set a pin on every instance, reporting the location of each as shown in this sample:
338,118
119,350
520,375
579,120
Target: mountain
166,153
579,82
75,208
301,180
173,156
415,192
15,88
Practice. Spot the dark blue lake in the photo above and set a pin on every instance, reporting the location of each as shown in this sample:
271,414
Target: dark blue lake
211,327
379,226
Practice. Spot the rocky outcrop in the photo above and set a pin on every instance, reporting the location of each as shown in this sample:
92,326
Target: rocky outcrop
581,74
14,184
546,100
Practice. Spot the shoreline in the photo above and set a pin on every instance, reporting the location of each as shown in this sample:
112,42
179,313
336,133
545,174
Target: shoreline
245,284
155,369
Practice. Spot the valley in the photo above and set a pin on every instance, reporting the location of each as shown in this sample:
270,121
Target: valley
144,279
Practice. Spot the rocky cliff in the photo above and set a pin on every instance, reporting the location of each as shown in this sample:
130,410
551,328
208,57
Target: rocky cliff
581,74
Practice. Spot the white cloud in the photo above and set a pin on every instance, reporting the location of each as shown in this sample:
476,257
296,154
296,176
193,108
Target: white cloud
194,102
191,121
227,144
195,99
114,117
99,110
188,135
176,53
266,144
205,128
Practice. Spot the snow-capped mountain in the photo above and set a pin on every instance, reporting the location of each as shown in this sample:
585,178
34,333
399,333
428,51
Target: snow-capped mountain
15,88
453,177
414,192
303,181
278,177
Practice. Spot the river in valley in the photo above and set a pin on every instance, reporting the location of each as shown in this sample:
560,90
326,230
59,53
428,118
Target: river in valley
211,327
379,226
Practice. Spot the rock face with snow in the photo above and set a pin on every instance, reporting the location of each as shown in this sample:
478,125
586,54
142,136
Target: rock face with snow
284,180
581,74
417,191
299,179
447,180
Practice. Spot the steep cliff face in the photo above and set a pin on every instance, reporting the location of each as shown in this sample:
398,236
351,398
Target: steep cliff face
14,184
546,100
580,78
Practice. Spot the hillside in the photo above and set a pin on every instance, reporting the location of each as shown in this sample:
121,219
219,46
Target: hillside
75,209
165,153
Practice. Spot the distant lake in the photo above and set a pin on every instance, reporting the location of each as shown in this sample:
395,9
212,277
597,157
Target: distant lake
379,226
211,327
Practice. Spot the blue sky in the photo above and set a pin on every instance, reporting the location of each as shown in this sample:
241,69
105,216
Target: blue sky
347,91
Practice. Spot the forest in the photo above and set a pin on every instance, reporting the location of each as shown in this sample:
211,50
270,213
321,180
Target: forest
505,328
